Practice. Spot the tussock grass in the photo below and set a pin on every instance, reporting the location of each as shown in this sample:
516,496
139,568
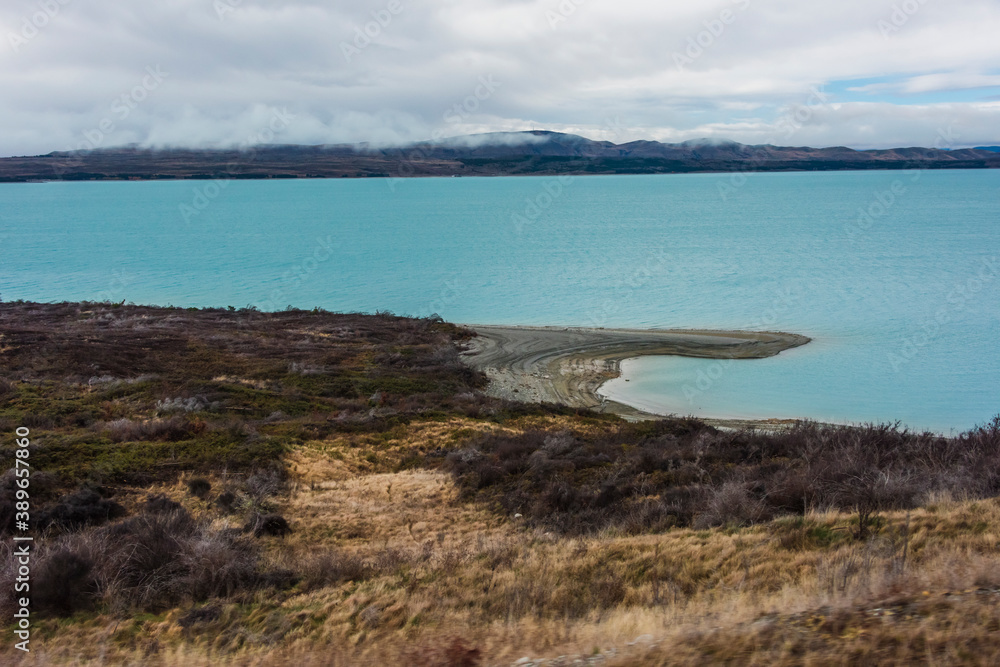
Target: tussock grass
239,488
428,569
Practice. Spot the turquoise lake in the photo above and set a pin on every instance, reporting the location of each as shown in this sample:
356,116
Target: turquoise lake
894,274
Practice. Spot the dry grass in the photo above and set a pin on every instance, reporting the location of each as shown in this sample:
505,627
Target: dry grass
420,568
398,555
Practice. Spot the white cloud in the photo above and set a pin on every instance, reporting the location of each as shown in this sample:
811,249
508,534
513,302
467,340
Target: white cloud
601,60
930,83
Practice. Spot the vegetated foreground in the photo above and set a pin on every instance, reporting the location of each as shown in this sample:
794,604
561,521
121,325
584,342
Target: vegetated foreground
235,487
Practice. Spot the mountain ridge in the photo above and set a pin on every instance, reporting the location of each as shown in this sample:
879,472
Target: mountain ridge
535,152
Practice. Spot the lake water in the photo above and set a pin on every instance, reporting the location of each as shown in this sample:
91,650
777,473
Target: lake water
902,302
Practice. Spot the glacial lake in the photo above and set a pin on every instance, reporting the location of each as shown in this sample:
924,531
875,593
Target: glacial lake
894,274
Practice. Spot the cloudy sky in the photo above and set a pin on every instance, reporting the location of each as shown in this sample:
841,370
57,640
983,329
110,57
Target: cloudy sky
862,73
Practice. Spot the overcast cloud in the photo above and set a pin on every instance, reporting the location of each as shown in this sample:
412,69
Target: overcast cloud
862,73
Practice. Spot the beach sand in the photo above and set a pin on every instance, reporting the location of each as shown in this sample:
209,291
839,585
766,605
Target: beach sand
567,365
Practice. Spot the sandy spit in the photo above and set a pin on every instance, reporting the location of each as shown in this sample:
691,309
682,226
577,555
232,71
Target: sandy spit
567,365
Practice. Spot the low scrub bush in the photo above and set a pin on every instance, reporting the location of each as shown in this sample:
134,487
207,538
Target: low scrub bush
84,507
227,502
272,525
199,487
148,562
647,477
160,504
63,583
172,429
179,404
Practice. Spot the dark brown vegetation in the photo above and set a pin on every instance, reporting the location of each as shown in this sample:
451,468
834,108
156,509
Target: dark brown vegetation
120,398
147,562
214,389
656,475
229,480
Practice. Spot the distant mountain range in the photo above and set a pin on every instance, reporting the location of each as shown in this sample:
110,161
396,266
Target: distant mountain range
497,154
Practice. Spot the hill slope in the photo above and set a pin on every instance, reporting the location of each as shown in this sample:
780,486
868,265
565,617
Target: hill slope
498,154
231,487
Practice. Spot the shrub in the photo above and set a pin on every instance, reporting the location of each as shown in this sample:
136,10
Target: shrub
732,503
273,525
160,504
172,429
42,486
199,487
84,507
38,421
217,564
148,562
261,486
63,582
193,404
227,501
649,476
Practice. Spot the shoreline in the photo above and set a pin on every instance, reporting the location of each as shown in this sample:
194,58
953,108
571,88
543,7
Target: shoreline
139,178
567,365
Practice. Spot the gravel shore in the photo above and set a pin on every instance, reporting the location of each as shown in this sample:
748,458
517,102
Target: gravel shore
567,365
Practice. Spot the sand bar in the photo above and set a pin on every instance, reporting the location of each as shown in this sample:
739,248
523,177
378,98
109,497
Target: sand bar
567,365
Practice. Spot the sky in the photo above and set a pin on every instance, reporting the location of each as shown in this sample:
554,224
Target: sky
85,74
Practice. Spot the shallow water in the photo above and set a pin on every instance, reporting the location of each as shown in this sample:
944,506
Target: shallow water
903,305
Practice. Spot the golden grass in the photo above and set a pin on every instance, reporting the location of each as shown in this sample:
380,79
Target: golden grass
347,455
437,570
